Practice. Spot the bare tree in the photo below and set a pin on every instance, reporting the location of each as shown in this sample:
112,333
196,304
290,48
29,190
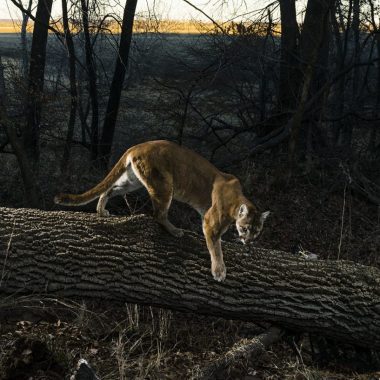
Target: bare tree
92,80
73,86
375,25
36,81
24,42
311,42
17,144
24,139
118,80
288,86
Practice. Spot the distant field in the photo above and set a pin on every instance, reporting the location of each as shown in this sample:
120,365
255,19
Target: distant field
165,26
9,26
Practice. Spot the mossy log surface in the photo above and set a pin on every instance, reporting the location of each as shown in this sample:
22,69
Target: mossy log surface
131,259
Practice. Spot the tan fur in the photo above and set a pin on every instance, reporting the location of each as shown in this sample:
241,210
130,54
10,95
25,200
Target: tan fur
169,171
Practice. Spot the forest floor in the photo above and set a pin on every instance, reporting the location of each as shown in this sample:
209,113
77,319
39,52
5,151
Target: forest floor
135,342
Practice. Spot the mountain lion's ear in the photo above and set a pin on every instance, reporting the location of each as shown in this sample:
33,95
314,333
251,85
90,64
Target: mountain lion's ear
243,211
264,215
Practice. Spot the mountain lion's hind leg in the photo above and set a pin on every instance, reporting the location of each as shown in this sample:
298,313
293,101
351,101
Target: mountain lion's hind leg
125,184
105,197
101,206
161,201
160,188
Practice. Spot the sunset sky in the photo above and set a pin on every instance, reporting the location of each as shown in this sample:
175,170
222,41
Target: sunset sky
168,9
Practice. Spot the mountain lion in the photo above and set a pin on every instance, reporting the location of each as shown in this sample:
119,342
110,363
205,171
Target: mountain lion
169,171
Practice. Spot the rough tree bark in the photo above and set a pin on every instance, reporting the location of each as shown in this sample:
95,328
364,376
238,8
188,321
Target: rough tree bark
72,254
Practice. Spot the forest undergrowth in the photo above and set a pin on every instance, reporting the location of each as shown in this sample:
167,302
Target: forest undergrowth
316,212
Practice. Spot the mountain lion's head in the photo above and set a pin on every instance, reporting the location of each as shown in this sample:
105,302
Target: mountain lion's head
249,223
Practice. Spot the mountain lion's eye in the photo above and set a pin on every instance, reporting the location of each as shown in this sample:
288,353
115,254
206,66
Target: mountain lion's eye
245,229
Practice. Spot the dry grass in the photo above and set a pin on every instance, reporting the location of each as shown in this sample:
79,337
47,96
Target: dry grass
130,342
135,342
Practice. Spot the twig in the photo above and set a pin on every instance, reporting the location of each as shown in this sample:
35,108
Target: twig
275,137
206,15
342,221
365,187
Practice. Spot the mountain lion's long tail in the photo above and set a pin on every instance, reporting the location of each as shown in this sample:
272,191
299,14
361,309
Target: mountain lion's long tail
95,192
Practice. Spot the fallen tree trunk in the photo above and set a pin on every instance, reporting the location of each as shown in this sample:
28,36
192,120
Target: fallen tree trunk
244,350
73,254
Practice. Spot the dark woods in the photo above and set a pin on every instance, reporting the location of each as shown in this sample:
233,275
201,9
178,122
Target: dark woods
301,84
286,97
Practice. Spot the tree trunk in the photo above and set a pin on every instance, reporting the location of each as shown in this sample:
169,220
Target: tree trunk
289,73
27,174
296,121
73,87
356,53
72,254
375,24
24,42
36,80
311,42
347,128
118,80
338,98
93,89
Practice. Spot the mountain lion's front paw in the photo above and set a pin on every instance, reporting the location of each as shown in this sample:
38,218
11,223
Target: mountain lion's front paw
219,272
104,214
